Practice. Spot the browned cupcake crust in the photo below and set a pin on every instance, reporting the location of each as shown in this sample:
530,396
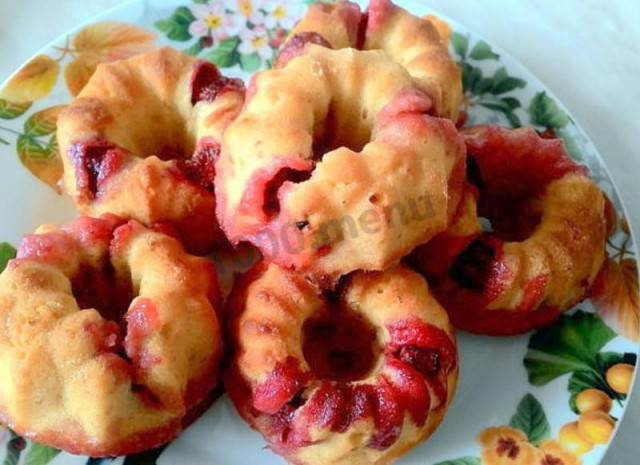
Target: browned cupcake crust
358,375
142,138
546,243
327,171
413,42
109,337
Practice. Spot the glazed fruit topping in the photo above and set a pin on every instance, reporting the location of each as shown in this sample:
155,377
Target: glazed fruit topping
95,161
424,360
295,47
271,204
338,349
414,332
201,167
282,385
207,83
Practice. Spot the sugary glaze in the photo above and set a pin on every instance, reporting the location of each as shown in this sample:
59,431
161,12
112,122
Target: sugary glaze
109,337
142,138
359,375
327,171
545,245
415,43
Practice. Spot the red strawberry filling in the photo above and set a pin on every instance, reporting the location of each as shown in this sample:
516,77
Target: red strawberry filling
95,162
201,167
97,284
207,83
340,350
295,47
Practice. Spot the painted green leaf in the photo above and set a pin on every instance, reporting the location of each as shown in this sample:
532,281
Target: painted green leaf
482,86
4,142
460,44
471,76
225,54
506,106
250,63
581,380
197,47
200,1
511,102
43,122
40,455
531,420
503,83
30,148
571,344
461,461
544,111
176,27
52,145
513,119
10,110
482,51
7,252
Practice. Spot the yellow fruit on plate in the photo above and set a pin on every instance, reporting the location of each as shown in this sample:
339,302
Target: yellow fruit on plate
596,427
619,377
591,400
572,440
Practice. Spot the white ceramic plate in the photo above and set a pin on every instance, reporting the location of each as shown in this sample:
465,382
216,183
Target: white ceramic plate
528,382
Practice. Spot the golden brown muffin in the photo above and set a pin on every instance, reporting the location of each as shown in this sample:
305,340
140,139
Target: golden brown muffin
327,171
545,244
413,42
357,376
109,337
141,140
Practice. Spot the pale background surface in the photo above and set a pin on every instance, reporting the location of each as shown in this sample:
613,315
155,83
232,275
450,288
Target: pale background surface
586,51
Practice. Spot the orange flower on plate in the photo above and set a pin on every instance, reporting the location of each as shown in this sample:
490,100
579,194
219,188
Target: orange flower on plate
101,43
555,454
504,445
615,296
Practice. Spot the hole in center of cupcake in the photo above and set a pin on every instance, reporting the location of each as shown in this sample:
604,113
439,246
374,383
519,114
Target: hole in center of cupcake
345,125
102,289
512,219
340,346
473,266
507,211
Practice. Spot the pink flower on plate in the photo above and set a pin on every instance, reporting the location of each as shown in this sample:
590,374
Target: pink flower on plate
212,18
255,41
250,9
283,13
